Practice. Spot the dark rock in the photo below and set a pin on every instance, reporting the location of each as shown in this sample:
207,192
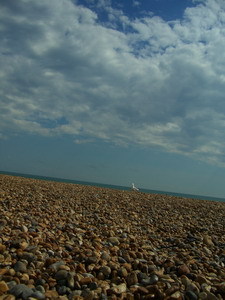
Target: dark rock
20,267
93,285
190,295
62,290
30,257
153,279
38,295
121,260
21,291
61,275
183,270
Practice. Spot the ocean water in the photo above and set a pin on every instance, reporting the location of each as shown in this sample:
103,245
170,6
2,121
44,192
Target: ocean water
116,187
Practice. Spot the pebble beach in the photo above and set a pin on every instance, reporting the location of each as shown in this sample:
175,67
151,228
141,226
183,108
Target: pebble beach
69,241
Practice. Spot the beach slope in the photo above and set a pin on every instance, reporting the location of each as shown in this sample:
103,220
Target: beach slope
68,241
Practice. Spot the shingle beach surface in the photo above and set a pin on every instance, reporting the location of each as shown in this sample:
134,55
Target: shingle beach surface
68,241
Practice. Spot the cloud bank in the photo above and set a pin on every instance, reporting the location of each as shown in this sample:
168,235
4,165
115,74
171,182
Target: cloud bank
63,70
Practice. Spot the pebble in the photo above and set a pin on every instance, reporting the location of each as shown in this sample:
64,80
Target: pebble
176,296
207,240
153,279
38,295
119,289
21,291
183,270
114,241
211,296
3,287
67,241
189,295
106,270
61,274
132,279
20,267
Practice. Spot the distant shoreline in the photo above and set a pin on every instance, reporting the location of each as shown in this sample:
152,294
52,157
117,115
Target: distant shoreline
116,187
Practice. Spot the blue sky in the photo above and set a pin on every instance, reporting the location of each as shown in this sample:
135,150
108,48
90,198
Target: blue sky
115,92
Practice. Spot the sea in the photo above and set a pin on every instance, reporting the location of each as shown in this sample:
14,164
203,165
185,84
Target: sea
116,187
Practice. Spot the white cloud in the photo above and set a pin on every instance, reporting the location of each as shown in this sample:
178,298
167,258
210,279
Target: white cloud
143,81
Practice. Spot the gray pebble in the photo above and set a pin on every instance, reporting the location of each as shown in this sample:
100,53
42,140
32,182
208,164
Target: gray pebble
56,265
61,274
93,285
11,284
30,257
40,288
21,291
20,267
153,279
62,290
38,295
121,260
189,295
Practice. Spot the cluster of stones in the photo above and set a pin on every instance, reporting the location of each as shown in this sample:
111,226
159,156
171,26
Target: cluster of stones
67,241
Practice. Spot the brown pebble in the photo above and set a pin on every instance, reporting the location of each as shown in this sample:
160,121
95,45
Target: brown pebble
132,279
2,248
9,297
85,280
183,270
176,296
51,294
207,240
81,268
114,241
3,287
3,271
201,279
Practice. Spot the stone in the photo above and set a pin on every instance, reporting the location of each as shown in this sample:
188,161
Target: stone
190,295
38,295
153,279
119,289
56,266
192,287
106,270
176,296
105,256
85,280
132,279
2,248
25,278
21,291
30,257
207,240
114,241
40,288
61,274
183,270
202,296
20,267
122,272
3,287
51,294
70,280
211,296
93,285
201,279
24,228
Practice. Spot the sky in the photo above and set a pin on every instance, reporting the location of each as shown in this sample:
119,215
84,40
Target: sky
115,92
